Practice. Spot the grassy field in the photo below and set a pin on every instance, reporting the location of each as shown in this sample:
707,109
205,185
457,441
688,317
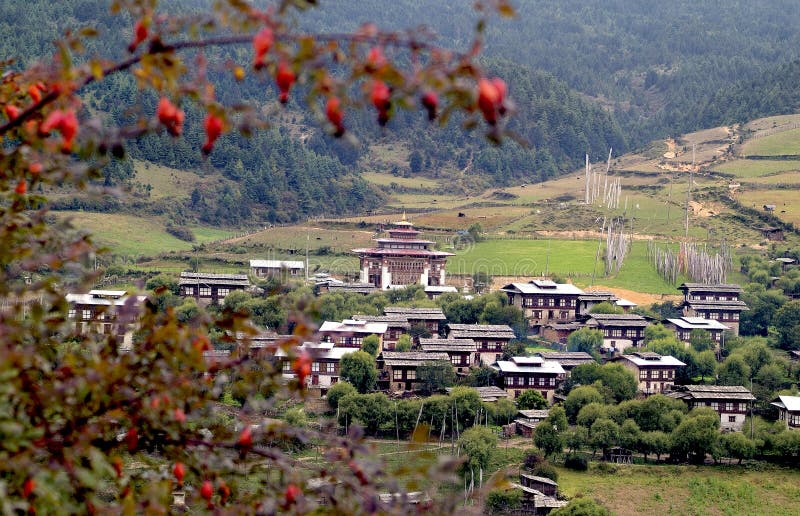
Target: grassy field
166,182
749,168
382,179
785,201
136,236
781,143
700,490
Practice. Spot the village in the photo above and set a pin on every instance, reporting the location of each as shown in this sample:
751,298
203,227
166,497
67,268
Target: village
594,354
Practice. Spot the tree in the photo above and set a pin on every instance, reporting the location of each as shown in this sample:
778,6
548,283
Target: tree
737,446
657,442
434,376
706,364
415,162
483,376
369,410
531,399
701,340
620,380
578,398
548,439
787,324
558,418
503,411
338,391
630,435
358,369
478,443
403,343
696,435
604,434
585,339
576,438
71,404
734,371
371,344
515,348
606,308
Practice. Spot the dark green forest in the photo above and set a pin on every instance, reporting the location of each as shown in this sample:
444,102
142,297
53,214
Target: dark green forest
584,76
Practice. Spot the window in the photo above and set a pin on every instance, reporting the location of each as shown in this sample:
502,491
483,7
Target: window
537,314
87,314
397,374
552,381
205,291
616,332
563,314
540,302
412,374
731,419
222,292
71,313
315,367
287,367
188,291
528,301
728,407
715,405
551,302
642,374
455,359
735,316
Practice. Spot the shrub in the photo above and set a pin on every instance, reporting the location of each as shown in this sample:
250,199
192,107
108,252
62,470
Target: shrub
576,462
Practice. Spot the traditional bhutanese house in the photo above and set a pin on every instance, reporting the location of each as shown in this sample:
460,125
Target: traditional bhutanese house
528,420
396,325
106,312
350,333
568,359
211,288
544,301
620,331
560,331
431,318
434,291
460,351
325,358
283,269
656,373
718,302
402,259
794,355
772,233
489,338
730,402
683,327
488,394
399,368
788,410
785,262
590,298
523,373
538,495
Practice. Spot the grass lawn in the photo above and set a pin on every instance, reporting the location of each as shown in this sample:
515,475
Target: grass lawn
136,236
785,201
166,182
747,168
696,490
382,179
782,143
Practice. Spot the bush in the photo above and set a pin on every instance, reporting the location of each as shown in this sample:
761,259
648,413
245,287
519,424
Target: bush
576,462
546,470
181,233
338,391
500,501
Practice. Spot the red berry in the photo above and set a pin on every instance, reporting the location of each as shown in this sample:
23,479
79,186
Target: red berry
213,127
28,486
12,111
180,415
302,366
285,79
179,471
139,35
430,101
488,100
169,115
35,167
224,491
132,439
22,187
380,96
333,110
35,92
262,42
67,124
207,490
245,438
375,60
117,464
292,494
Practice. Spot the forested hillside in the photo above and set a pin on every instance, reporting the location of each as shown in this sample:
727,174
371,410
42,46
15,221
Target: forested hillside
584,75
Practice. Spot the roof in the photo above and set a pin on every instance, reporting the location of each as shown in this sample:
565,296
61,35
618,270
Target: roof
785,260
567,358
452,345
790,403
695,323
543,287
527,366
197,278
107,293
359,288
540,480
467,331
351,326
89,299
597,295
627,320
421,253
702,287
392,321
491,393
716,305
541,500
320,351
651,359
535,414
624,302
440,288
711,392
411,358
277,264
416,313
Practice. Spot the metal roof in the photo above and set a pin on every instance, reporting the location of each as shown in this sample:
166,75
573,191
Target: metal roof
203,278
420,253
790,403
568,358
89,299
351,326
412,358
644,359
543,287
707,304
701,287
277,264
458,345
695,323
543,367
